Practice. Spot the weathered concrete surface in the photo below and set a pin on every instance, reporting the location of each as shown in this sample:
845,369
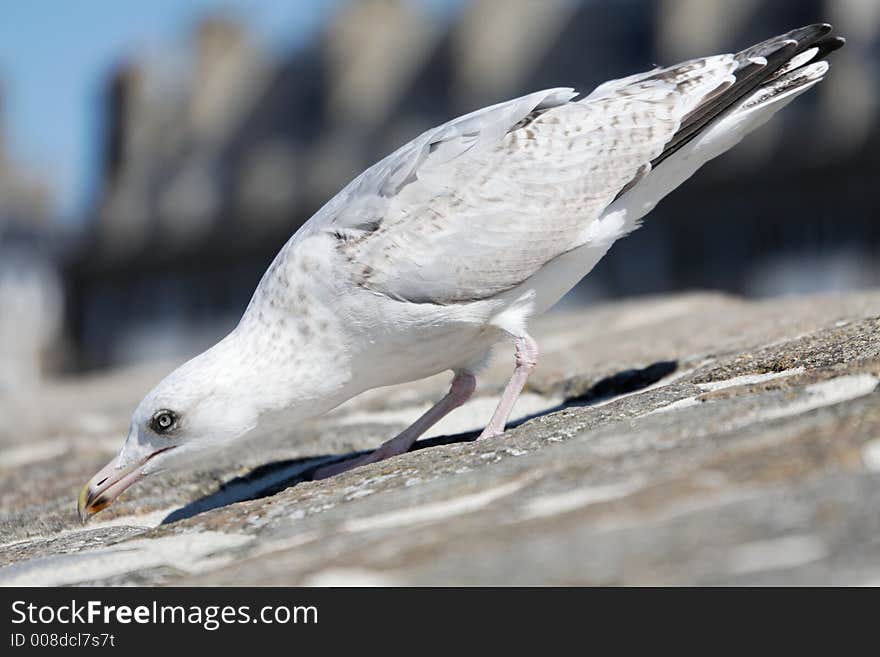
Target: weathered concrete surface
692,439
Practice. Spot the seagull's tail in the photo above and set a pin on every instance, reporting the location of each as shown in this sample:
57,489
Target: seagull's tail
766,73
766,77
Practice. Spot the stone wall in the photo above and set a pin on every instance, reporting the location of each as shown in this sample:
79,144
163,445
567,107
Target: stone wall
697,439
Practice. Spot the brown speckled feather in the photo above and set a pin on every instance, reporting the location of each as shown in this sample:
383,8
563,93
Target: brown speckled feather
478,205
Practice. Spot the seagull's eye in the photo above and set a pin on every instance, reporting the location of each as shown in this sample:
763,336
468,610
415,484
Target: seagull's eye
163,421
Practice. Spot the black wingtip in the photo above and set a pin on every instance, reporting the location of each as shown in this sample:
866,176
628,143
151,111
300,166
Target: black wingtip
751,73
809,32
804,37
828,46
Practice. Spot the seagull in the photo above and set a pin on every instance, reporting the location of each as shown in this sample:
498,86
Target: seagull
451,245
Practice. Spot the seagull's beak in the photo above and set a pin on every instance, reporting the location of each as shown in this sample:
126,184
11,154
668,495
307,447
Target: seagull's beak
109,483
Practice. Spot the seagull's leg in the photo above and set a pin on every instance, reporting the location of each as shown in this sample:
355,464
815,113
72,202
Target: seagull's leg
526,350
462,388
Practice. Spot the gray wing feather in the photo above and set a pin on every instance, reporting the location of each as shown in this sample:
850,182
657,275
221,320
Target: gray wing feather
478,205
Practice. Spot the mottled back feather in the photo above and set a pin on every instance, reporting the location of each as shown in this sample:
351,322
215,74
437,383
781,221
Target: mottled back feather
476,206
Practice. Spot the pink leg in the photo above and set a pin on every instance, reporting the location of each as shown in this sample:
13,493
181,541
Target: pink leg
462,388
526,360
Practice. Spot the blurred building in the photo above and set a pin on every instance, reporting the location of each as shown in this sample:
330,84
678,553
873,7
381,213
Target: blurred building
30,286
212,163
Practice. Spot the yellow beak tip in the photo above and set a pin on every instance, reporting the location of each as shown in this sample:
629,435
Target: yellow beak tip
81,504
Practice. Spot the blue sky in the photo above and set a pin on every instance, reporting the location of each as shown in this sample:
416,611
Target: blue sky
55,57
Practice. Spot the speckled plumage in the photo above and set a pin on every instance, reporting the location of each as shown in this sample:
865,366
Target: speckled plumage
454,241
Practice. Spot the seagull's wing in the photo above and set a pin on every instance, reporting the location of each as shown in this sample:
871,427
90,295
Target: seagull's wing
476,206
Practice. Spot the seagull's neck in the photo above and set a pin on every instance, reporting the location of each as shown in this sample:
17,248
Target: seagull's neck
289,362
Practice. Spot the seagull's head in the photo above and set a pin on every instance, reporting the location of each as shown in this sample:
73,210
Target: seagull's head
192,411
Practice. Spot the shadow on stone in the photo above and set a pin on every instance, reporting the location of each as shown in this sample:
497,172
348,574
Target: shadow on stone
262,481
620,384
578,393
272,478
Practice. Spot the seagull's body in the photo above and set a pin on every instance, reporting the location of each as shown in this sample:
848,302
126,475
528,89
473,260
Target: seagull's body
452,243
